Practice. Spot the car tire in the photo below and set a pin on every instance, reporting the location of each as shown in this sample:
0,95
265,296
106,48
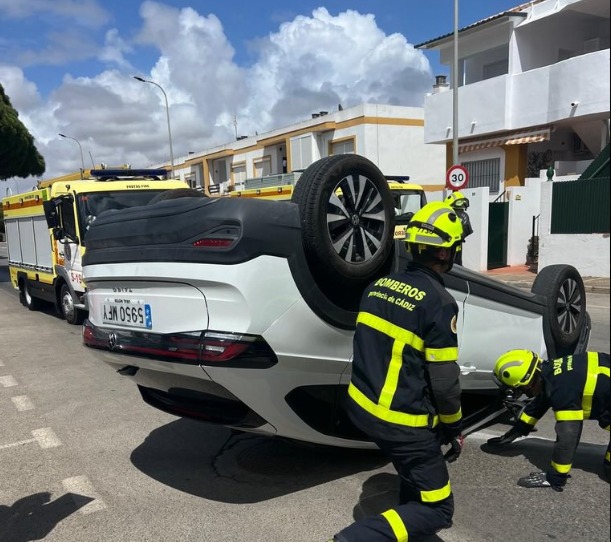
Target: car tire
27,299
347,222
176,193
563,286
69,312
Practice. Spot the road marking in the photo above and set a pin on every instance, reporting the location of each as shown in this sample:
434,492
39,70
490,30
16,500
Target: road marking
483,435
22,402
7,381
81,487
44,437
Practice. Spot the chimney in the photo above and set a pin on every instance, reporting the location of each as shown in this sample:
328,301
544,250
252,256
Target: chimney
441,84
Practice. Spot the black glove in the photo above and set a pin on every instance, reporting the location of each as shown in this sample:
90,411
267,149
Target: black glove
449,432
520,429
455,450
550,478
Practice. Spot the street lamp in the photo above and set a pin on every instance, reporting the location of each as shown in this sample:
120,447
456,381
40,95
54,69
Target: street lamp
167,112
80,149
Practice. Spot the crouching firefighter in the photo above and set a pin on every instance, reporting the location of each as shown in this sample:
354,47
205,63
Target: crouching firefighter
404,392
575,387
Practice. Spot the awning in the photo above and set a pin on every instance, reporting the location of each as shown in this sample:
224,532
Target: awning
508,138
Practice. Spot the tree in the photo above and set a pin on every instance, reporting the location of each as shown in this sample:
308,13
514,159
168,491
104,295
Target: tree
19,157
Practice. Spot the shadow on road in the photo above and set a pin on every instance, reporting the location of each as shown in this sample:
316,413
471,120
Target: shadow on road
588,458
214,463
35,516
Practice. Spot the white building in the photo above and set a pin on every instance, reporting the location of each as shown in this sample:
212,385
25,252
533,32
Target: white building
533,92
391,136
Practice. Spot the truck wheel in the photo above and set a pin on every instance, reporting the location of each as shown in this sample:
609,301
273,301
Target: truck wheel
71,314
26,298
347,222
563,286
176,193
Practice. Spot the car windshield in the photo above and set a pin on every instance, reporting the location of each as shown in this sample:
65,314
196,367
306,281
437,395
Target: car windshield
91,204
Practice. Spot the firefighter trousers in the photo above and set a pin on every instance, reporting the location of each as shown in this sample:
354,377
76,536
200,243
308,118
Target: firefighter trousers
425,504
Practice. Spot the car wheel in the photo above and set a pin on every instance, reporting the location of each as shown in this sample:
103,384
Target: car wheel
26,297
71,314
347,214
563,286
176,193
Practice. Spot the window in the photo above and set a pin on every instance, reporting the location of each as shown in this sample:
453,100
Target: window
500,67
301,152
343,146
484,173
238,172
263,167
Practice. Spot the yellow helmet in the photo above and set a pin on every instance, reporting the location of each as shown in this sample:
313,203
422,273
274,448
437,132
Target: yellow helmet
516,368
457,200
436,224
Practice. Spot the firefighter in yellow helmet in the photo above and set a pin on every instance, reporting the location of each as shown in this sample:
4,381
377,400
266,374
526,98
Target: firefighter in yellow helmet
575,387
404,391
460,204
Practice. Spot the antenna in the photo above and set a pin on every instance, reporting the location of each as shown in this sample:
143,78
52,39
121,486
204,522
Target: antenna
92,162
235,123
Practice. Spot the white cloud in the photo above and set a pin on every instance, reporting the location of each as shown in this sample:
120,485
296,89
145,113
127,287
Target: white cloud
311,63
87,13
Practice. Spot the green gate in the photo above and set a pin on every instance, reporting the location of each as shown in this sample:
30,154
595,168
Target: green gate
498,223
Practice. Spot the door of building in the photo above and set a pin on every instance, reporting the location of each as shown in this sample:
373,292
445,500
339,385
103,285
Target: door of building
498,225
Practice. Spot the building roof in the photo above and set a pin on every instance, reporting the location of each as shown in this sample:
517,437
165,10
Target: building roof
519,11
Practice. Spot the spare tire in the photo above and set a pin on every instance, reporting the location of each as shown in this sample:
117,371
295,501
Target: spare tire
563,286
347,224
176,193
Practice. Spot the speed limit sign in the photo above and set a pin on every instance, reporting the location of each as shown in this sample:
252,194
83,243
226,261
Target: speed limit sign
457,177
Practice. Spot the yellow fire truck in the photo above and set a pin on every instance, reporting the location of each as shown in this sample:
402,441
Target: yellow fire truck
408,197
46,230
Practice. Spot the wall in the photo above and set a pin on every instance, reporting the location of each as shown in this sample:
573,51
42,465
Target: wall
475,255
524,204
589,253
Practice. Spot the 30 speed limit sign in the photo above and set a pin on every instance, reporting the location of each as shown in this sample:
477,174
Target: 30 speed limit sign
457,177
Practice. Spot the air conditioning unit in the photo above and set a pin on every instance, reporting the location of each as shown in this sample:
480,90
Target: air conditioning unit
591,45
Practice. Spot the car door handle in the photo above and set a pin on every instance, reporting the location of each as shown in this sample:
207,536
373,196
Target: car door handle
466,369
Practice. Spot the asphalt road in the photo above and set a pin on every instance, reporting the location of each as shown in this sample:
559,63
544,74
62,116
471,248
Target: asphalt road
82,458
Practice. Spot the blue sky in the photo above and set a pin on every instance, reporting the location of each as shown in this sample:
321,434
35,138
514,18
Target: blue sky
67,66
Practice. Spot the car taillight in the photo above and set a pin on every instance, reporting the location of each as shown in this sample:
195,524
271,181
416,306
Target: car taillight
210,348
221,237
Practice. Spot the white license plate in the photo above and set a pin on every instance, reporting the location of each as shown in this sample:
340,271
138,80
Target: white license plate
132,314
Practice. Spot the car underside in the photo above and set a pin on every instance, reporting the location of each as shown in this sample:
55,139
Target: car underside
241,312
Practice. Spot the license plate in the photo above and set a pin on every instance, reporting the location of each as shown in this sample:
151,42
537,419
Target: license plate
131,314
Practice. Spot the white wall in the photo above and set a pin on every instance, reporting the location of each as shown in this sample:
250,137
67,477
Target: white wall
524,204
475,255
588,253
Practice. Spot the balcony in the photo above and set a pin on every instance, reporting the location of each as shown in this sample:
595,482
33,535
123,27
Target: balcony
576,88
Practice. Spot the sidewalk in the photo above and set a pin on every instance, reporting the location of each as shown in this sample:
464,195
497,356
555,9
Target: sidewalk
521,276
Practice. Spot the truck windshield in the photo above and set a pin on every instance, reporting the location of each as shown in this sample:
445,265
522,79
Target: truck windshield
408,201
91,204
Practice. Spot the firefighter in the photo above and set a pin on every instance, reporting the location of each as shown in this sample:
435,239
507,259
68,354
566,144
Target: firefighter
575,387
460,204
404,392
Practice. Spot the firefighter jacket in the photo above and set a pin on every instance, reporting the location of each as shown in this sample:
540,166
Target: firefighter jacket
404,370
576,388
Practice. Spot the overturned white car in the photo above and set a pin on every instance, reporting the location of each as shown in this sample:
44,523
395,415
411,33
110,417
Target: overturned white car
241,312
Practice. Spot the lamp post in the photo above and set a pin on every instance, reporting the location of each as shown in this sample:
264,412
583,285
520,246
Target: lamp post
167,112
80,149
455,89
